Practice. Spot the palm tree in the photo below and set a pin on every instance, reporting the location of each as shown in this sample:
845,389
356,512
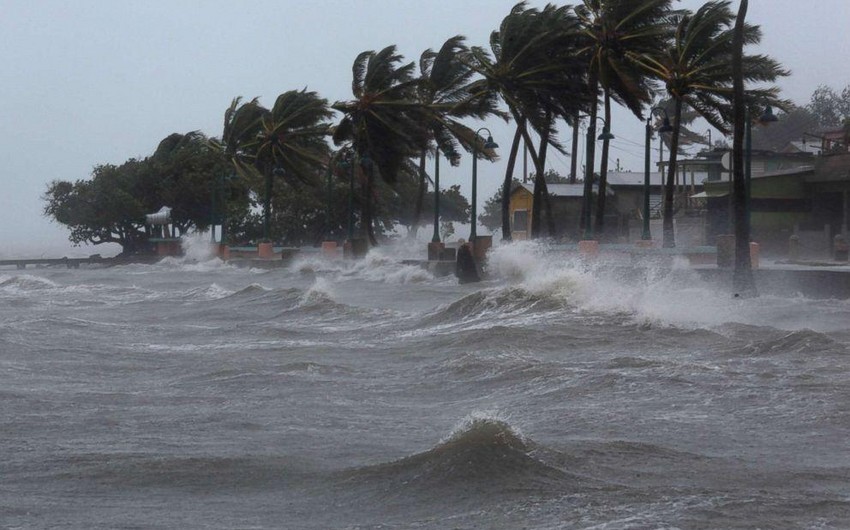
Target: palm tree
384,123
534,70
696,70
614,32
291,144
242,124
444,90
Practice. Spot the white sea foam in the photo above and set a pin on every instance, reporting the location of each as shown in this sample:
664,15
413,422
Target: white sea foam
669,294
322,290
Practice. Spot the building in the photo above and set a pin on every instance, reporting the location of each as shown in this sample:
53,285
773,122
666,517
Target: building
566,206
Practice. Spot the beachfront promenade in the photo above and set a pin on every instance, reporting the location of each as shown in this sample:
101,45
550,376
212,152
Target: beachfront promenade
813,279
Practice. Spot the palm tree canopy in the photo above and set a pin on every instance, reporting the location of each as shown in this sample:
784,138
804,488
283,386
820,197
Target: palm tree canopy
242,123
534,66
444,88
614,33
696,66
384,120
293,135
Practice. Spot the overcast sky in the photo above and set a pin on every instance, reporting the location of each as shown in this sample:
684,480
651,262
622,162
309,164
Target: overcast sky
100,81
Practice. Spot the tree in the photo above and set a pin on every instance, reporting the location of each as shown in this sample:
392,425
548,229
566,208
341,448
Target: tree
743,275
384,123
110,207
696,70
101,210
188,169
614,33
829,108
534,69
443,88
289,143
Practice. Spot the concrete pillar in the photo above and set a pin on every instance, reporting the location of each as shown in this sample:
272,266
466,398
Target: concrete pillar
330,249
265,250
726,250
435,250
588,248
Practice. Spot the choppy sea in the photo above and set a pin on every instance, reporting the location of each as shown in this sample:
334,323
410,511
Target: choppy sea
328,394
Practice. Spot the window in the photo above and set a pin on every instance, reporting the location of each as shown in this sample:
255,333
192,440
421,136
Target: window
520,222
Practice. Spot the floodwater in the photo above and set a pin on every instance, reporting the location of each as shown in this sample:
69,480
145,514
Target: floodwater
194,394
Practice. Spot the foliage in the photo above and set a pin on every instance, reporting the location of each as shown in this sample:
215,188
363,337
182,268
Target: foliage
534,68
696,70
829,108
110,207
443,88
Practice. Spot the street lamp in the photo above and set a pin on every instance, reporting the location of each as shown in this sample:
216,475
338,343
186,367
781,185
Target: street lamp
665,127
489,144
452,156
588,176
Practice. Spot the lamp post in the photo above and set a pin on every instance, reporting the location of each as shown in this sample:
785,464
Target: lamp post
665,127
588,176
452,155
489,144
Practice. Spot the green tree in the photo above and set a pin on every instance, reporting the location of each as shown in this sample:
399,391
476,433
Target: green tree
696,70
187,170
103,209
535,71
614,32
290,144
385,123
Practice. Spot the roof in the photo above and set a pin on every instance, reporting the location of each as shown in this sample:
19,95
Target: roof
562,190
636,178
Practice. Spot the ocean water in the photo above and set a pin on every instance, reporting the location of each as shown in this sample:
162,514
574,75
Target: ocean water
194,394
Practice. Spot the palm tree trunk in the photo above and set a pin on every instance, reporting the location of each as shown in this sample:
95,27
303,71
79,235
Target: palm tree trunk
743,281
420,196
669,240
506,185
541,193
544,187
368,204
603,174
574,152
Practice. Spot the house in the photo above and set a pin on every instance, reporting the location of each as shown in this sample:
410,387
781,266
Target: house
566,206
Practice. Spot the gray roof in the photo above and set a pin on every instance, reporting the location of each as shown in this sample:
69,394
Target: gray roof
562,190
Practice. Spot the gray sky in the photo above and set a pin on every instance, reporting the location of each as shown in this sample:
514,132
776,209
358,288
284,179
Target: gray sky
100,81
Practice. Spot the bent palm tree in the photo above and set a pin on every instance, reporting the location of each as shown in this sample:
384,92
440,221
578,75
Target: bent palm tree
444,91
384,123
291,144
614,32
534,70
696,70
